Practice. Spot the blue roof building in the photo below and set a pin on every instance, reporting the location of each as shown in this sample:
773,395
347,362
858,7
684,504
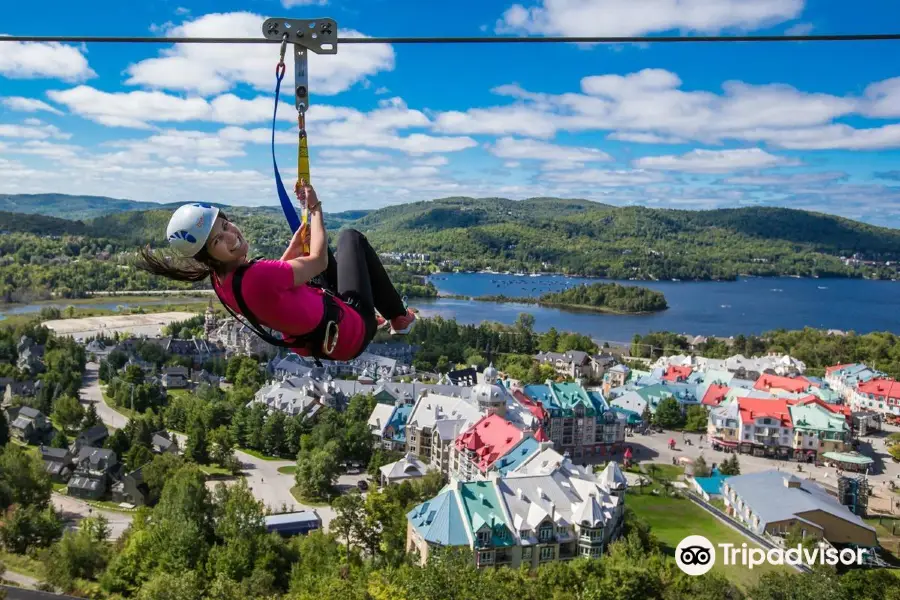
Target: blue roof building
294,523
711,486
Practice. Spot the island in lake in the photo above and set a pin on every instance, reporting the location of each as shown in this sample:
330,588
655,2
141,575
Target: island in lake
598,297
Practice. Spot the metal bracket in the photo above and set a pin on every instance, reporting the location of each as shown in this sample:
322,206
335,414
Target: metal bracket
318,35
301,78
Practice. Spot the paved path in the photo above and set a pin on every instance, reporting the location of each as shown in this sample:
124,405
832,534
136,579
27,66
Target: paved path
90,394
21,580
74,510
654,447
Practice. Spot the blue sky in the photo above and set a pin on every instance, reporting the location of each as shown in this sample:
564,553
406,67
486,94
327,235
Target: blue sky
693,126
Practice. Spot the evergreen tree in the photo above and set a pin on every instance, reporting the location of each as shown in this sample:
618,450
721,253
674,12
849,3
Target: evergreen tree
4,429
196,449
91,417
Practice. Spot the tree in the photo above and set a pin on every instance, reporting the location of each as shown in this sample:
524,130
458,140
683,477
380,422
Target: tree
91,417
23,479
701,469
196,449
317,471
349,510
28,526
730,466
138,456
221,445
668,414
4,429
80,554
68,412
697,418
59,440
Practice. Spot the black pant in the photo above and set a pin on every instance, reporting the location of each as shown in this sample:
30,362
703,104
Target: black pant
358,276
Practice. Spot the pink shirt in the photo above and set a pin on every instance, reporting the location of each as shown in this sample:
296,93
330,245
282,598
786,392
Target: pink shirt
269,291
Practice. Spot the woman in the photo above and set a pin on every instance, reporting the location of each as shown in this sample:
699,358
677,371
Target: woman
334,322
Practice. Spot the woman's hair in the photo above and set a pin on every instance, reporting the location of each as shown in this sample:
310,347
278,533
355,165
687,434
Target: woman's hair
196,268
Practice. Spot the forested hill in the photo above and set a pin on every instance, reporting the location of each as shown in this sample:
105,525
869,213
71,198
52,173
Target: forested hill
588,238
540,234
70,207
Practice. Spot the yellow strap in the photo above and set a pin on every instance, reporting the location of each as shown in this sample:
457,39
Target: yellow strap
303,173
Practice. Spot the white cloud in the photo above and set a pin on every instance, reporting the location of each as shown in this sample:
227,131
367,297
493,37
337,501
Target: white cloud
432,161
791,179
500,120
214,68
348,127
883,99
649,106
554,156
828,137
187,146
800,29
32,129
610,178
382,90
339,157
138,109
32,60
639,137
293,3
29,105
714,161
634,17
129,109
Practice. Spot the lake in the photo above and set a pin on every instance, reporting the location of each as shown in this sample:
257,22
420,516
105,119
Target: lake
748,306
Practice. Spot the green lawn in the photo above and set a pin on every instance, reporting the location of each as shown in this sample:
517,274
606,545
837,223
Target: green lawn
673,519
888,532
260,455
303,500
22,564
288,470
215,471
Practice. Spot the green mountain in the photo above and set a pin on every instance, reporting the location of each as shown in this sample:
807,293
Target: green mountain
581,237
71,207
41,253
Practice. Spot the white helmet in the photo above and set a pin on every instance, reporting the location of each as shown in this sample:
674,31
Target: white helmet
189,227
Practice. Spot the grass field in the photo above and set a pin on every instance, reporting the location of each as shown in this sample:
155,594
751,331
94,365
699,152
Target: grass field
288,470
673,519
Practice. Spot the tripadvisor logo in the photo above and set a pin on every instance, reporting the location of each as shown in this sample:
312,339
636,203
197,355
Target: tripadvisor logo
696,555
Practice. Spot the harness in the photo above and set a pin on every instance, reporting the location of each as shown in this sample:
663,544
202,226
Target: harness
320,342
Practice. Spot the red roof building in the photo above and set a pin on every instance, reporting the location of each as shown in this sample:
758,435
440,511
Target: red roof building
795,385
830,370
488,440
714,395
881,390
676,374
756,408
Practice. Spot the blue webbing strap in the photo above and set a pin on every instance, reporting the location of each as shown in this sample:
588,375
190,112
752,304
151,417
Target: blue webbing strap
286,205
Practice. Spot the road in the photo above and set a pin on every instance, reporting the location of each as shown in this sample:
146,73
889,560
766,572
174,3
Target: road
654,448
90,394
269,486
74,510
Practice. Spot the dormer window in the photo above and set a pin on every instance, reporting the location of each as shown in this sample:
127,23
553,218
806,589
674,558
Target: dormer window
546,532
484,538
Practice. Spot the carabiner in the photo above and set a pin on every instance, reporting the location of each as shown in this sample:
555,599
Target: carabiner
329,349
284,41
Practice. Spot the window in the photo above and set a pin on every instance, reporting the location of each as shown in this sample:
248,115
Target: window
485,558
546,533
548,552
526,553
484,538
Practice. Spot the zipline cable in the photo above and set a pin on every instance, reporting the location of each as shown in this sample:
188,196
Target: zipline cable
853,37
